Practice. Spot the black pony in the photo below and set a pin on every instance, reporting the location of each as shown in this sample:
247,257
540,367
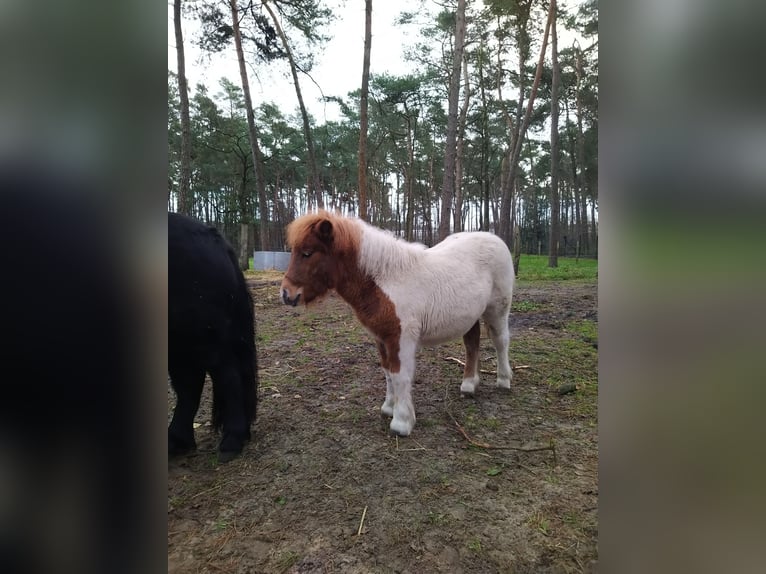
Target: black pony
211,329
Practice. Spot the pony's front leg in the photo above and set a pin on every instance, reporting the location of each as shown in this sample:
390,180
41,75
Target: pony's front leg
387,408
401,386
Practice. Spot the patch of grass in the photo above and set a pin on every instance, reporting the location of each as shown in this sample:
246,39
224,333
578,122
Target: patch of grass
286,560
525,306
587,330
535,268
540,523
280,500
474,545
491,423
494,471
220,525
436,518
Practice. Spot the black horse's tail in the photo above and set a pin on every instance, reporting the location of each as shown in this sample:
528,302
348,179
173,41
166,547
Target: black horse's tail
243,325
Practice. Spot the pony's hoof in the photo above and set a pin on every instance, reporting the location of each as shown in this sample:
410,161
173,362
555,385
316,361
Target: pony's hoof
504,383
178,447
400,428
225,456
386,410
468,387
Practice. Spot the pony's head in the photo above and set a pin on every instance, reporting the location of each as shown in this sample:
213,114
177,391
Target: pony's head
321,243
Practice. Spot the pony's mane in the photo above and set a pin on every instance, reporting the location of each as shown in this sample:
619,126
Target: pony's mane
384,254
346,230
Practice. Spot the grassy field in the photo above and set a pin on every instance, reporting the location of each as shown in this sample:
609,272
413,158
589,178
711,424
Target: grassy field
535,268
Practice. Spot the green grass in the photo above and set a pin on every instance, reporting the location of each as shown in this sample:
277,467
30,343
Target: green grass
535,268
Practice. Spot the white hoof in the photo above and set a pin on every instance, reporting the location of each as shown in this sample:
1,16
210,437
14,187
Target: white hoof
504,383
400,427
468,386
387,410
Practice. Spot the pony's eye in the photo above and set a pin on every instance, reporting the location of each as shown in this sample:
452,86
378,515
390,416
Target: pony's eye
306,254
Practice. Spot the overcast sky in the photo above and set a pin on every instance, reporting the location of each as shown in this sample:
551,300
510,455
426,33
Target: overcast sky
338,68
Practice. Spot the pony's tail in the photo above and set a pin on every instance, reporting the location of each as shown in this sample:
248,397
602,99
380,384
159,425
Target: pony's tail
243,325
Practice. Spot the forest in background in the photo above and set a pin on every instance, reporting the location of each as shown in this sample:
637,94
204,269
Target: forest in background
517,109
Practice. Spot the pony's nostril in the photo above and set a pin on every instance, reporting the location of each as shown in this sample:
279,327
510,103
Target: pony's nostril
295,301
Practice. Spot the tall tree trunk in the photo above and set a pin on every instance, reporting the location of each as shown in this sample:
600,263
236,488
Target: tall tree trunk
553,260
448,188
580,147
184,188
363,117
484,145
514,127
410,185
459,150
315,186
253,135
505,210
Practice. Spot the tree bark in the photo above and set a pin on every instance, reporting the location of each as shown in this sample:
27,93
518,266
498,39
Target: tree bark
580,149
553,260
484,145
315,187
448,188
252,133
505,206
363,114
507,195
185,200
459,150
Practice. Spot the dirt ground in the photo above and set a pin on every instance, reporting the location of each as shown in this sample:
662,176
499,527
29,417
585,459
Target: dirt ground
324,488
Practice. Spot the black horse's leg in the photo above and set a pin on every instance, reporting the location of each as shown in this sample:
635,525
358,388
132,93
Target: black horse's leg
229,409
187,382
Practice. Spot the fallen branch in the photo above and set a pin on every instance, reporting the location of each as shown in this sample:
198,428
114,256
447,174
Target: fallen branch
361,523
551,446
485,371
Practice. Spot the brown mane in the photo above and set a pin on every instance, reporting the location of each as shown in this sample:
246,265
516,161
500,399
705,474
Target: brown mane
346,232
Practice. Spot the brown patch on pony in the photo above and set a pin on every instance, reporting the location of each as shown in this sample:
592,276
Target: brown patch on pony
332,243
345,233
472,341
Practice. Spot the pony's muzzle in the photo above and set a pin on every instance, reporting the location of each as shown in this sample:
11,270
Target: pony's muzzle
287,300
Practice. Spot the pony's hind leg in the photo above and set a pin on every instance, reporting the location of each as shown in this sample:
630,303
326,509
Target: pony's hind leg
471,340
187,382
497,325
229,409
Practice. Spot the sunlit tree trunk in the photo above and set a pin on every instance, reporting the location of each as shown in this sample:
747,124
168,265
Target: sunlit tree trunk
553,260
505,208
253,135
458,217
315,187
448,187
184,189
363,115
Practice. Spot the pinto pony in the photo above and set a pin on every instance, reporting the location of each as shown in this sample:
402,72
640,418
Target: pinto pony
406,295
210,330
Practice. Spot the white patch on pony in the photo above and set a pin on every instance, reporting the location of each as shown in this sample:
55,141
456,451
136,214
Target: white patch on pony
440,292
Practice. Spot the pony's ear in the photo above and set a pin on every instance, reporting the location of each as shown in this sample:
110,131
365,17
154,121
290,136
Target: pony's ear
324,230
